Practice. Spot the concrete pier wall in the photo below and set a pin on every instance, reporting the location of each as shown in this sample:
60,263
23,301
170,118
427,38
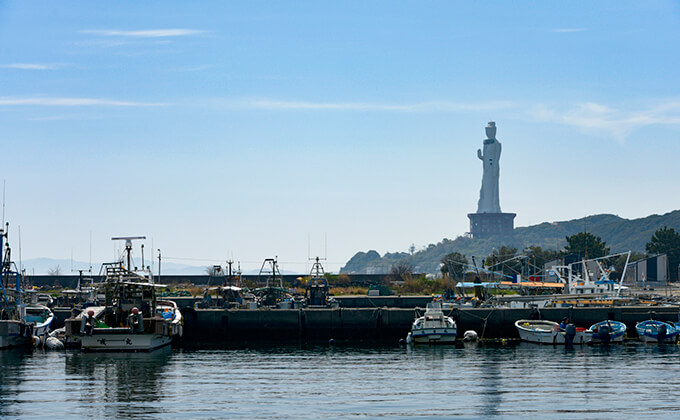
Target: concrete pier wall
390,323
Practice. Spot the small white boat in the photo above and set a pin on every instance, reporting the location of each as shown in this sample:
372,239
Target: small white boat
549,332
433,327
41,317
608,331
652,331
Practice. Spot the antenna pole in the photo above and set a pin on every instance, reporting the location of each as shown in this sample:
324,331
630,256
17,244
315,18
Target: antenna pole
159,264
20,265
4,181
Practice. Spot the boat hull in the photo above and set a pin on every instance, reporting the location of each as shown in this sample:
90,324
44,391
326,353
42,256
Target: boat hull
616,335
648,332
434,335
11,334
123,342
545,332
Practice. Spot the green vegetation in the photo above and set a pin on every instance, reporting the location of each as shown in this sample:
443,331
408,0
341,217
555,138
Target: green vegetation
666,241
542,243
586,245
454,265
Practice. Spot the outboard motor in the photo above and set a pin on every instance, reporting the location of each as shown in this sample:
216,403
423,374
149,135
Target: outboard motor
662,332
87,323
569,334
604,332
136,321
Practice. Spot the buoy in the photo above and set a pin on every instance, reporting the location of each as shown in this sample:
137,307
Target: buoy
53,343
402,342
470,335
331,342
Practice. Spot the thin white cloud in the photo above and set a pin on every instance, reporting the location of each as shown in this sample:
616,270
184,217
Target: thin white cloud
148,33
568,30
603,119
30,66
429,106
72,102
191,68
590,117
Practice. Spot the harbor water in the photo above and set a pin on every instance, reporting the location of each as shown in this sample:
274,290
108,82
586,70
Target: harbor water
517,380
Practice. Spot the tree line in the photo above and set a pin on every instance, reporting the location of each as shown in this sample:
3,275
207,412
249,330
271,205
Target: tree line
510,262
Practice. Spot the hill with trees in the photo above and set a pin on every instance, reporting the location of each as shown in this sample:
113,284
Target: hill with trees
619,234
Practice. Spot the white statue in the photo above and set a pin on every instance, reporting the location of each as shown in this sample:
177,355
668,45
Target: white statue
488,195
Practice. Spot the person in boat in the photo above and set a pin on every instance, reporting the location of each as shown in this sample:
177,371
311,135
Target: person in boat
564,323
87,325
135,321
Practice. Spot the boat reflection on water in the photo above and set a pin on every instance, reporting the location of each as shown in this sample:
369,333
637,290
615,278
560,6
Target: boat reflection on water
135,378
12,365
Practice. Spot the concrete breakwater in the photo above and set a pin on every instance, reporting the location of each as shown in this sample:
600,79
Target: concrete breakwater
391,323
368,318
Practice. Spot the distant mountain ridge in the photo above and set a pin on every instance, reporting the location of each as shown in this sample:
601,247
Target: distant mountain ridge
620,235
44,265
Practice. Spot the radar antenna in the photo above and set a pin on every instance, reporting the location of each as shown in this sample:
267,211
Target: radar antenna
128,246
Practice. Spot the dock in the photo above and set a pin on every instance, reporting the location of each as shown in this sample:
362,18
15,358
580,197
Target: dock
382,318
392,323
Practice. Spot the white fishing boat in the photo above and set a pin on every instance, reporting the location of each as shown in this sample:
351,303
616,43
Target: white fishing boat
549,332
591,277
132,319
433,327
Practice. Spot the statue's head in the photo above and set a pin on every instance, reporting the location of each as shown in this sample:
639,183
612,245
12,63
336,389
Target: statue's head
491,130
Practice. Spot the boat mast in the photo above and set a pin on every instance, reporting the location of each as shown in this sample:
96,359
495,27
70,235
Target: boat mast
623,274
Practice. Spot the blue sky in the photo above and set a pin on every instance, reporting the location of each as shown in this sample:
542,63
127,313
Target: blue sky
256,129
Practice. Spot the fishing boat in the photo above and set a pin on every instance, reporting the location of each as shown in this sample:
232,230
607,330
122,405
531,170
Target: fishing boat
433,327
15,331
591,277
41,317
132,318
652,331
273,294
608,331
317,293
549,332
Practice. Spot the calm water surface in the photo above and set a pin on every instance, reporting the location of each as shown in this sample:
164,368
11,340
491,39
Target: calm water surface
515,381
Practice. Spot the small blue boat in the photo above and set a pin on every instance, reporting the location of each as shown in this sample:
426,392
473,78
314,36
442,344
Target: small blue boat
608,331
656,331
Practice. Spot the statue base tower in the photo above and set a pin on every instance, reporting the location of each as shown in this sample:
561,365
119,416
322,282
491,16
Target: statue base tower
484,225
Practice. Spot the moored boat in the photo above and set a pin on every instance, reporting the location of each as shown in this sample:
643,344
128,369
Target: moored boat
549,332
132,319
433,327
608,331
15,331
41,317
652,331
